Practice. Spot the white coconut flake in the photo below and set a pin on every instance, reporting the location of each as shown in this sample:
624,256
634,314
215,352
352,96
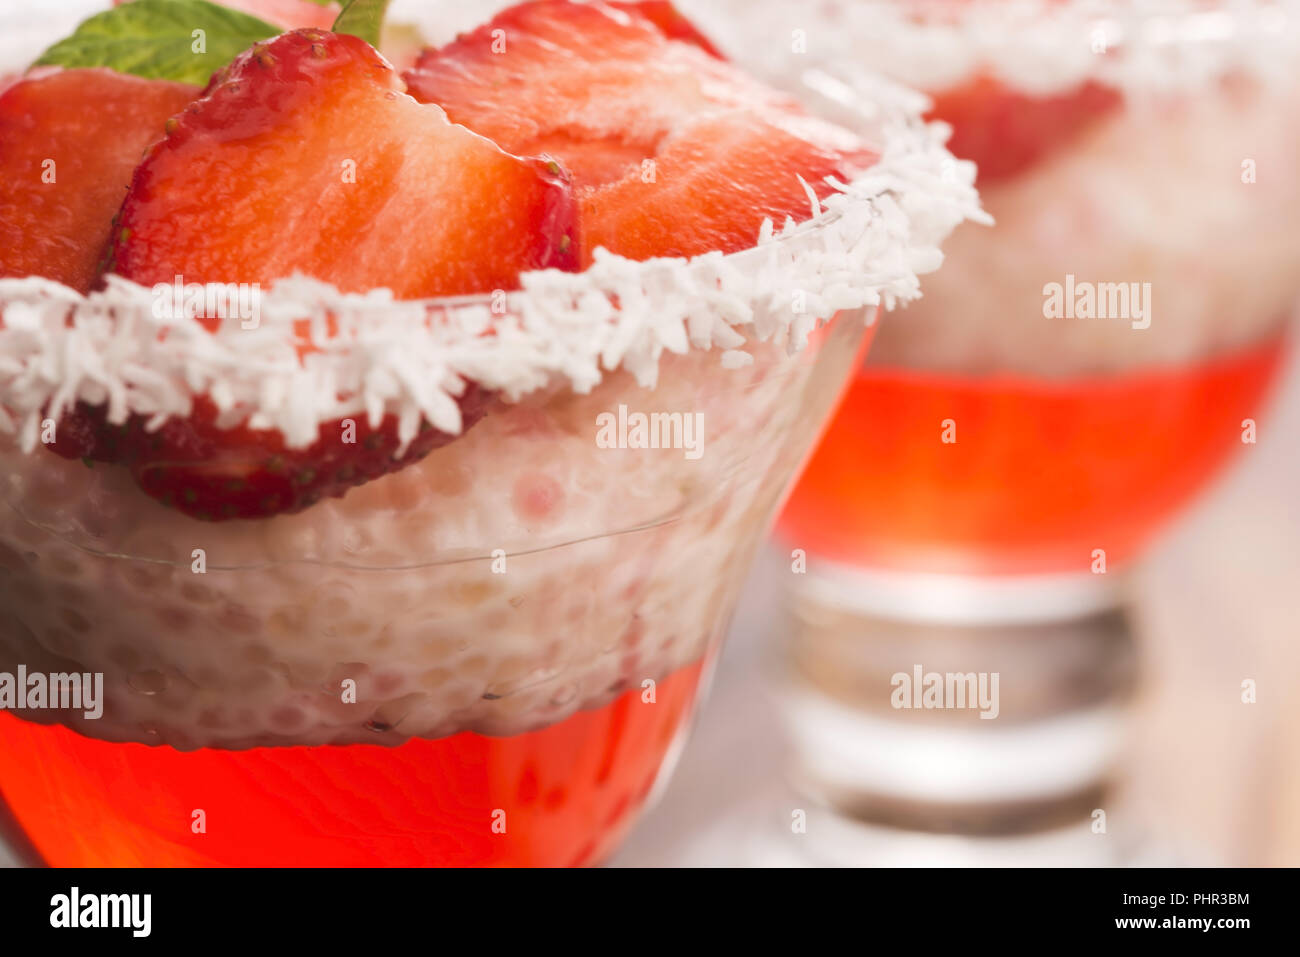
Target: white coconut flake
865,246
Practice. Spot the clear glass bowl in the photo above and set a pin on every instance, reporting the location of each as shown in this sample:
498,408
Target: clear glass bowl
1003,458
524,618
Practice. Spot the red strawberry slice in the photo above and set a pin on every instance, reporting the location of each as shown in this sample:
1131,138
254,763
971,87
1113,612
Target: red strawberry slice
305,156
714,182
1006,132
215,474
283,13
69,140
675,151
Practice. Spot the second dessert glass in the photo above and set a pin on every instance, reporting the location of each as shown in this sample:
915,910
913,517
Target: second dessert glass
1068,383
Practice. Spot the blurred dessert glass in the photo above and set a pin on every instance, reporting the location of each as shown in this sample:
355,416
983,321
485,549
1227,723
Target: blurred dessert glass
1066,385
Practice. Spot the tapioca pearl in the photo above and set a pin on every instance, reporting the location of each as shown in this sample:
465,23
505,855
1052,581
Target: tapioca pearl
288,623
238,620
174,619
148,682
362,631
435,678
145,576
537,498
434,645
403,490
124,656
75,621
213,718
473,667
390,715
564,695
287,719
303,674
257,654
510,676
494,621
472,594
334,604
61,642
11,560
388,683
449,480
198,594
211,677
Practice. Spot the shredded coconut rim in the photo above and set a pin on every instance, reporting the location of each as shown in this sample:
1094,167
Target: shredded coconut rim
866,245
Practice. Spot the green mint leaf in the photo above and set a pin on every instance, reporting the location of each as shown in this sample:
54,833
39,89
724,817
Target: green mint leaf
364,19
181,40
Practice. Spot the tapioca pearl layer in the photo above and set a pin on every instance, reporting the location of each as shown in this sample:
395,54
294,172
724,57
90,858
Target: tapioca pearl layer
527,476
1153,196
256,655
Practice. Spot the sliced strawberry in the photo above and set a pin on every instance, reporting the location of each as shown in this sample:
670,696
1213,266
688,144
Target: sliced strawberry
1006,132
69,140
215,474
289,14
713,184
670,21
675,151
305,156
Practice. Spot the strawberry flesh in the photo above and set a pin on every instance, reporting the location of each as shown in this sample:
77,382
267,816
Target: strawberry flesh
675,151
691,204
69,140
305,156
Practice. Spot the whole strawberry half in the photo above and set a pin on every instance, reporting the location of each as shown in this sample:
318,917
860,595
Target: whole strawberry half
1006,132
675,151
69,141
305,156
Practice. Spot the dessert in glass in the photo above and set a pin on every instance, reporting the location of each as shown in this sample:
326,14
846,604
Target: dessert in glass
1069,381
393,447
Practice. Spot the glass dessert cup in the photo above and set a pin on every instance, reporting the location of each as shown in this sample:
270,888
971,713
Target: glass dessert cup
513,704
486,656
1000,461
